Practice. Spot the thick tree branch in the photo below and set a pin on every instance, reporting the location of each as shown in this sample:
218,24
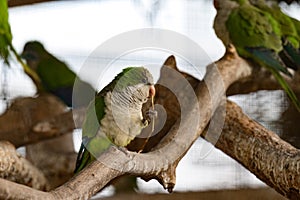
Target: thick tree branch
39,118
12,3
262,79
15,168
97,175
17,123
261,151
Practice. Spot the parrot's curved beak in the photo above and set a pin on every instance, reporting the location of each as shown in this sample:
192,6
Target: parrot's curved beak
151,91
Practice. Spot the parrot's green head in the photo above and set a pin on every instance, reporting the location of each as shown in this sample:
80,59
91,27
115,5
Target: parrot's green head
136,83
33,53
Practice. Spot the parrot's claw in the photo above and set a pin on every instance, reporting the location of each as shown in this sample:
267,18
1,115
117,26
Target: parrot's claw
151,113
124,150
145,122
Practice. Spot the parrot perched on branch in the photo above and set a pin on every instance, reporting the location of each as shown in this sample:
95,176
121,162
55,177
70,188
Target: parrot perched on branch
261,37
115,115
55,75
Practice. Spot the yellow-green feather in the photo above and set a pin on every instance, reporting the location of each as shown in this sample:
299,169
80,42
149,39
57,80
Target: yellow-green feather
5,32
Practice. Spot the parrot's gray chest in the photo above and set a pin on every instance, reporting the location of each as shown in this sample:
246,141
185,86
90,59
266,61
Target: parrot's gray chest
121,123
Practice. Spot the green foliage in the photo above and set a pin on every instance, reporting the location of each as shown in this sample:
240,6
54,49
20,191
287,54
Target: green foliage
5,32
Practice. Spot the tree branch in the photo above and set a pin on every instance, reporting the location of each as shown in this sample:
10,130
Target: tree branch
15,168
13,3
39,118
262,79
261,151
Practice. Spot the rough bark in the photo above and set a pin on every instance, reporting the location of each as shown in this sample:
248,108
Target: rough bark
15,168
12,3
55,158
261,151
262,79
97,175
42,118
28,112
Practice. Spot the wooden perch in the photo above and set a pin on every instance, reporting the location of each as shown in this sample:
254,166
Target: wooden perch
15,168
272,160
13,3
97,175
23,122
251,147
39,118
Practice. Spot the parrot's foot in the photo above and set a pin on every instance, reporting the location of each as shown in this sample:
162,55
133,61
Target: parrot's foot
124,150
145,122
151,113
150,116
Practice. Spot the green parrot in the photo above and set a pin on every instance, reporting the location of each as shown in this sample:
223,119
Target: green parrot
55,75
115,115
257,35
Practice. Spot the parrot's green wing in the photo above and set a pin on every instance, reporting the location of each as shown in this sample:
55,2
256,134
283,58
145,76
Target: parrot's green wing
92,145
5,32
55,74
257,35
289,34
249,27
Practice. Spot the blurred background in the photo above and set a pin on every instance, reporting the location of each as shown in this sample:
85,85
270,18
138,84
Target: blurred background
72,30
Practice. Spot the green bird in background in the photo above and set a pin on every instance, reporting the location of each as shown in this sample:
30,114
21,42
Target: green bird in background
290,32
258,36
55,75
115,115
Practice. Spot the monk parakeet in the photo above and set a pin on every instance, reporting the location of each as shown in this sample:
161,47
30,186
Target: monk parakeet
55,75
257,35
115,115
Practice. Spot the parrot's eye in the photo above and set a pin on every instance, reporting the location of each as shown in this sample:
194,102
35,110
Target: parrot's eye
145,80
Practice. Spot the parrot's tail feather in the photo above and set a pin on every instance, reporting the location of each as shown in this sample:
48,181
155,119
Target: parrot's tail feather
268,58
83,159
290,56
79,156
287,89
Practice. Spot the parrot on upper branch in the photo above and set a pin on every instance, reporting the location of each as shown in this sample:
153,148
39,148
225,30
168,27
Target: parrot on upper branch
269,41
115,115
55,75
